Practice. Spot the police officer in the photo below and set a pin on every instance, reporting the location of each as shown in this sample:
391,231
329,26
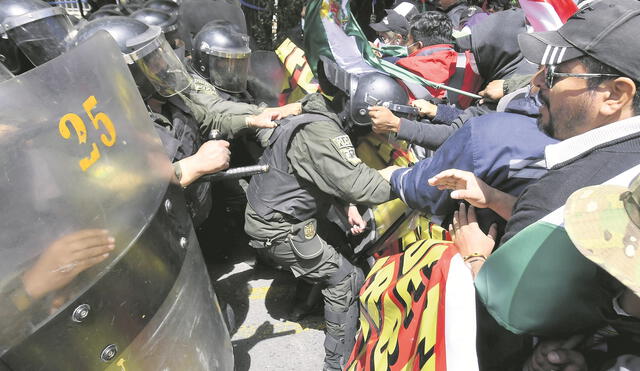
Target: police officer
34,29
314,165
161,78
221,55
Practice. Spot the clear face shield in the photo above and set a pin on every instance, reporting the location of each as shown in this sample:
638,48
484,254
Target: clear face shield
5,74
41,35
229,72
159,63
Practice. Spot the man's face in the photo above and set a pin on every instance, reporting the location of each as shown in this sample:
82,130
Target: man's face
568,108
391,38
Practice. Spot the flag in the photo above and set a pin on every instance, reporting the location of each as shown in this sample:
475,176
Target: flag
332,31
300,80
547,15
539,283
414,306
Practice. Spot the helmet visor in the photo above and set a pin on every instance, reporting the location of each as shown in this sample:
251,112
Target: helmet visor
229,74
5,74
162,67
44,38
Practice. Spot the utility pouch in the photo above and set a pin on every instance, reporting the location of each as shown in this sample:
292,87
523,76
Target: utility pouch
304,240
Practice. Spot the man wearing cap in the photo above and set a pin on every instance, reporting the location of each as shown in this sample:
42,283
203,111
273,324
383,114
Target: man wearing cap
588,89
394,29
432,56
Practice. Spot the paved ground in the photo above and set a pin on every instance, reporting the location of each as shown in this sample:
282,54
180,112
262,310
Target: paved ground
261,298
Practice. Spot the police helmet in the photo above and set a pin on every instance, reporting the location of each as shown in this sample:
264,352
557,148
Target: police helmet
100,13
361,90
166,21
168,6
150,57
221,55
40,31
374,88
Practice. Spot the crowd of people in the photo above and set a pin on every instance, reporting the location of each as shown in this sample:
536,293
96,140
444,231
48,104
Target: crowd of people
521,129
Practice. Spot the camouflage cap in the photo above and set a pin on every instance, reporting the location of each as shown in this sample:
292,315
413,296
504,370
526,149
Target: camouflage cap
604,224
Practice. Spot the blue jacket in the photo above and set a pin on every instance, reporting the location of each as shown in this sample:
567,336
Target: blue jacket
504,149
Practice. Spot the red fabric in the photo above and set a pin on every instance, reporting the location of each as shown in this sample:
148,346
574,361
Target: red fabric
437,67
472,82
564,8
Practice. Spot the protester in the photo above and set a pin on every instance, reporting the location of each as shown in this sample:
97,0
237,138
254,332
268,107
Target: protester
589,99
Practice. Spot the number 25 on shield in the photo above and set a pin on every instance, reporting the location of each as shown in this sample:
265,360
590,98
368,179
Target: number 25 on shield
80,129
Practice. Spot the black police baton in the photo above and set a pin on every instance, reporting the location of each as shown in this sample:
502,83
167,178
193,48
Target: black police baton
234,173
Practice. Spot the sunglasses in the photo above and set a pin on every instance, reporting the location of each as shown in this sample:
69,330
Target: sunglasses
551,74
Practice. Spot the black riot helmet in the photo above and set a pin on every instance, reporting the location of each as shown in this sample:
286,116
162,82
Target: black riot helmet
40,31
148,54
376,89
166,21
221,55
168,6
101,13
362,90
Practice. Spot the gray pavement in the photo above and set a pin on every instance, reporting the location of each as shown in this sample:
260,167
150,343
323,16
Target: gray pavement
260,298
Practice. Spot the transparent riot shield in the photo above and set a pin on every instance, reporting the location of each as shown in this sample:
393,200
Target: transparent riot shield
81,163
266,77
5,74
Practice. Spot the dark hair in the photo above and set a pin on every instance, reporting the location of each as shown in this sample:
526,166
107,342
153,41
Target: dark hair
595,66
431,28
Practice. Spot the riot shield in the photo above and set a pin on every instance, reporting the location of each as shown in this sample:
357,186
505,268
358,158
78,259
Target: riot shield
80,162
5,74
194,14
266,77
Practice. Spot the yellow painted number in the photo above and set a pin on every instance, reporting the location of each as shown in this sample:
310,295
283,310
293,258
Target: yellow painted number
102,117
80,130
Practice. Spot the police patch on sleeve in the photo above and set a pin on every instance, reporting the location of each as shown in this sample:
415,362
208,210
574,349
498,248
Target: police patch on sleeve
202,86
346,150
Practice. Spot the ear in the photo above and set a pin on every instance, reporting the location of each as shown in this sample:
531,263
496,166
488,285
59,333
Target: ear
620,97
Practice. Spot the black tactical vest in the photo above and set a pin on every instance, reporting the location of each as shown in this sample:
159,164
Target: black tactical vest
181,138
278,191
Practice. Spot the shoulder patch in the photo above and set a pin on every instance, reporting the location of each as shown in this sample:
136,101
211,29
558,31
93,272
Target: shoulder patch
202,86
344,146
